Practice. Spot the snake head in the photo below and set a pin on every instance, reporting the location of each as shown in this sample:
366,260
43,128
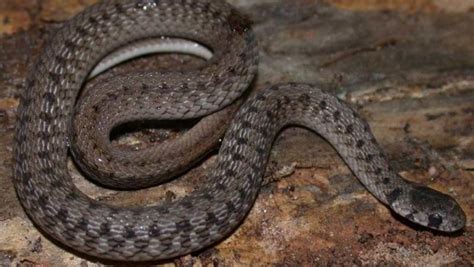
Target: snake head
431,209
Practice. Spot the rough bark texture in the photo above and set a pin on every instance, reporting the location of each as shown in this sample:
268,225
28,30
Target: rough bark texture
407,66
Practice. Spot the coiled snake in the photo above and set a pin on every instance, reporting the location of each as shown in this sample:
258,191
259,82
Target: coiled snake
45,114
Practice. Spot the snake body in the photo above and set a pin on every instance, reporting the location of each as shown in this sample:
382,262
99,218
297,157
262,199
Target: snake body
45,117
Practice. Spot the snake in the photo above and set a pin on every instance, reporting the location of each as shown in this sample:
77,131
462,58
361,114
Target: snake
166,230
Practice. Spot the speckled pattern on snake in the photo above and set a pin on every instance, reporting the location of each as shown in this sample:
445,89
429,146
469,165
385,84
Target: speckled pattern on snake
166,230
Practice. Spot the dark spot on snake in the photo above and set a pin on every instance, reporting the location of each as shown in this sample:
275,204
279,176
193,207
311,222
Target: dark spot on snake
207,196
119,8
22,156
260,150
43,200
264,131
69,45
192,4
60,60
92,21
304,98
360,143
201,85
46,117
354,114
215,14
378,171
435,220
366,128
274,88
260,97
153,230
230,206
269,115
112,96
253,109
129,233
137,211
286,100
28,84
242,141
71,196
231,70
386,181
369,157
220,187
278,104
49,97
323,104
237,157
82,224
349,129
95,108
206,7
62,215
393,196
105,16
242,193
230,173
43,155
187,204
162,210
127,89
44,136
47,170
82,32
183,225
238,23
104,228
251,179
93,205
25,118
25,178
211,218
184,86
255,168
57,183
337,115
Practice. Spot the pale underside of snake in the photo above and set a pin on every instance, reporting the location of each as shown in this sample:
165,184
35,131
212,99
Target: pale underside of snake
47,108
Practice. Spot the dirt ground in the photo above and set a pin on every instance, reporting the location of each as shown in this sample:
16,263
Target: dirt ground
406,66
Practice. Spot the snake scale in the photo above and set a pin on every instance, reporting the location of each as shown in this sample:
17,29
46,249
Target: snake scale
166,230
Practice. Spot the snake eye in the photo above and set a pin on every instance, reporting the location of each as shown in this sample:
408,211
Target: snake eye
435,220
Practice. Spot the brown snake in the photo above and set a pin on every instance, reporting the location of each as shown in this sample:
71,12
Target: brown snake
166,230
